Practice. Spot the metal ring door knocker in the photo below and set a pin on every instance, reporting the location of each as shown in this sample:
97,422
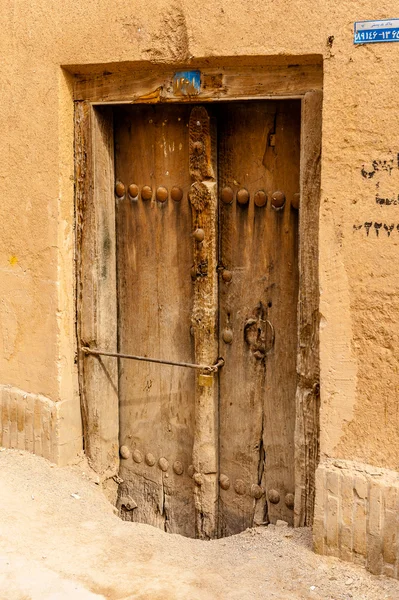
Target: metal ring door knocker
255,336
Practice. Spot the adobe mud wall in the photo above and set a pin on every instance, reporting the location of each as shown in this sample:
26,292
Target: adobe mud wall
359,224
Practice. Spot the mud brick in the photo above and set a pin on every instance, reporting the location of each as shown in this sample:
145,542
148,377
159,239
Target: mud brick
29,433
46,431
320,481
361,486
345,543
359,529
375,509
13,419
318,536
332,525
333,478
390,537
37,426
347,498
5,418
374,562
389,571
21,408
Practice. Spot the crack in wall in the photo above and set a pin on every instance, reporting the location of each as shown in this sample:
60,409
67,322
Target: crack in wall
164,511
171,43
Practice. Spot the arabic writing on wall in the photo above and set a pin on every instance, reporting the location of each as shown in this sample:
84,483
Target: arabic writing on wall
384,173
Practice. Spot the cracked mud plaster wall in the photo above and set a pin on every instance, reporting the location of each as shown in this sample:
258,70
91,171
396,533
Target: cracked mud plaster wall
359,286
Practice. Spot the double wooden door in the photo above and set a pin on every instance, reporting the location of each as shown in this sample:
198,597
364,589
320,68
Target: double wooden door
207,243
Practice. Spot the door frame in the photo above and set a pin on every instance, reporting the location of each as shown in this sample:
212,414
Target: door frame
95,242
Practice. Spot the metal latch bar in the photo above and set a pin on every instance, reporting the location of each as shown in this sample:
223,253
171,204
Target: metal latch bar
209,368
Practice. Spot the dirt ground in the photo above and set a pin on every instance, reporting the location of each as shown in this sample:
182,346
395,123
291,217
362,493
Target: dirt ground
60,540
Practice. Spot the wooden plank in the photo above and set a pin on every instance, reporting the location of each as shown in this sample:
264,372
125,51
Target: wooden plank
282,298
96,285
155,296
308,390
242,377
203,198
258,150
217,84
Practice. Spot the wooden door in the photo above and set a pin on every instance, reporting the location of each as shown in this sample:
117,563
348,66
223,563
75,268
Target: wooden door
207,267
155,296
258,292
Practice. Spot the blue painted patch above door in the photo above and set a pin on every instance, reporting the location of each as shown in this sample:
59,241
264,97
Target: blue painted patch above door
187,83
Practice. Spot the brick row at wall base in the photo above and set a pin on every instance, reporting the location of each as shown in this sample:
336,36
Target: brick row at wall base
39,425
28,422
356,515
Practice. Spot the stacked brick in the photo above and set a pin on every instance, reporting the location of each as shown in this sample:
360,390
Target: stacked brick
356,515
27,422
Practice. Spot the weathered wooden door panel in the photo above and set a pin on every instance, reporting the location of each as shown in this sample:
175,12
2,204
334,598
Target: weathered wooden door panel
203,200
154,258
171,305
258,156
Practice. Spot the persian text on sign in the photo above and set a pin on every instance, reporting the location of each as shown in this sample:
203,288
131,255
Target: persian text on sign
371,32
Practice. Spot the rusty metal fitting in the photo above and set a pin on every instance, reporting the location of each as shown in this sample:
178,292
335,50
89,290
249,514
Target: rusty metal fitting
199,235
260,198
176,193
146,192
133,190
163,464
161,194
243,196
227,336
150,459
120,189
240,487
124,452
278,199
227,195
137,456
295,201
273,496
227,276
224,482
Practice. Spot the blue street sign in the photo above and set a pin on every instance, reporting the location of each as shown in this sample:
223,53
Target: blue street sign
373,32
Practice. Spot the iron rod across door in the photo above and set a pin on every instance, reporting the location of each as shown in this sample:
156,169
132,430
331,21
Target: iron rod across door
209,368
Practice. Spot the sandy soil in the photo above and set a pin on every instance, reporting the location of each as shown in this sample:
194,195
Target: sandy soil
57,546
